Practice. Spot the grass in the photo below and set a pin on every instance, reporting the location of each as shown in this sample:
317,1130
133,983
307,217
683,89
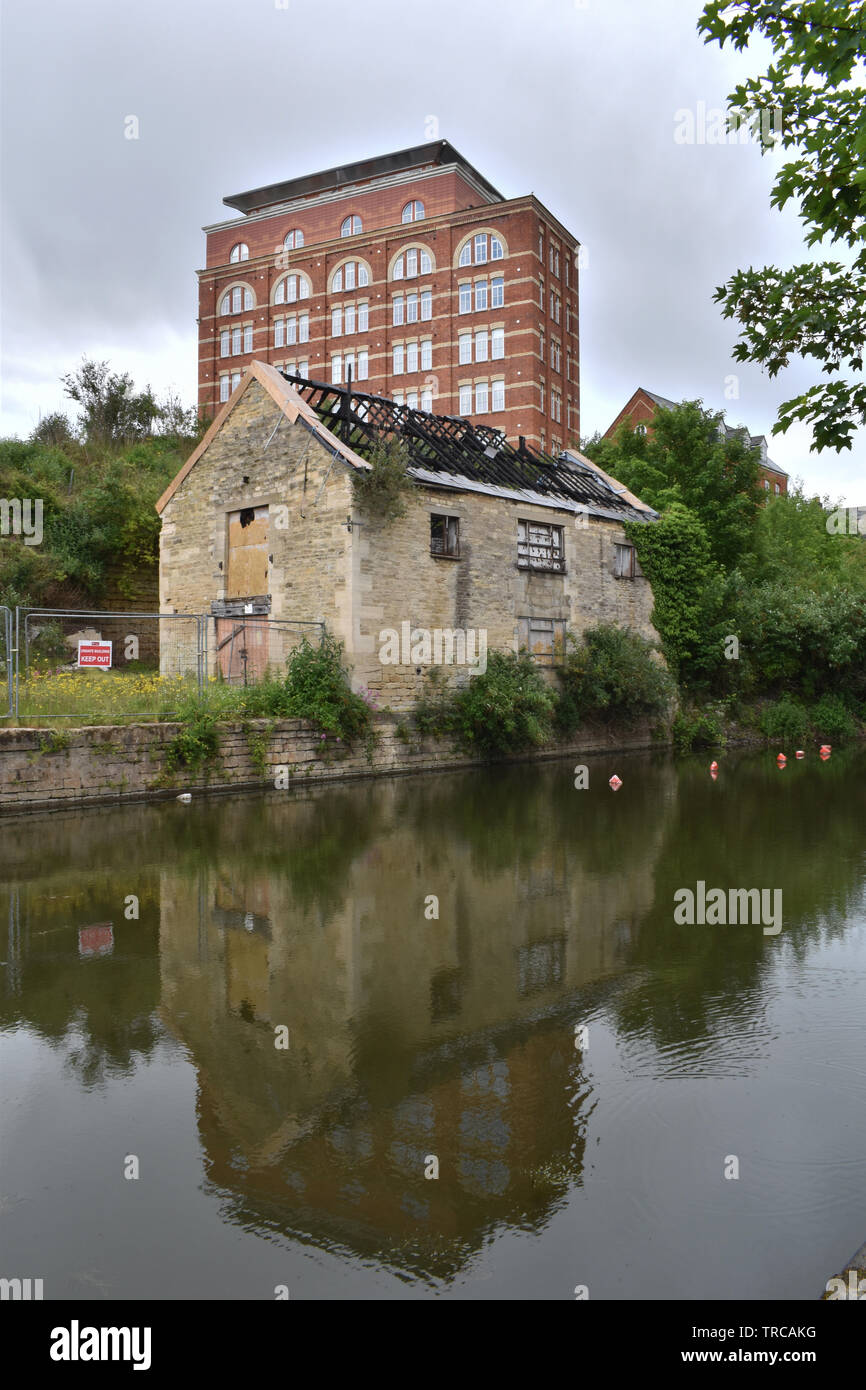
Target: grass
48,698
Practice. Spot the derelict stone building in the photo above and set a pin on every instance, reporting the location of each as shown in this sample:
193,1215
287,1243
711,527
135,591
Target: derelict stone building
262,523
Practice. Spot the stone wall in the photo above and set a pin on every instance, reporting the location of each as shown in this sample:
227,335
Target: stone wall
41,770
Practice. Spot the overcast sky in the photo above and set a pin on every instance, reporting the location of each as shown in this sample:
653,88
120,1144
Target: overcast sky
573,100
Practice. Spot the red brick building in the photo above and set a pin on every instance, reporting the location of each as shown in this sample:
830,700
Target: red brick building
412,272
640,410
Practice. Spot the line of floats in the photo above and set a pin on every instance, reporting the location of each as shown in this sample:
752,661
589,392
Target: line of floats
781,761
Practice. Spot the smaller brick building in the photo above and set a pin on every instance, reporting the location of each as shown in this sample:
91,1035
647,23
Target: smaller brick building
640,411
262,524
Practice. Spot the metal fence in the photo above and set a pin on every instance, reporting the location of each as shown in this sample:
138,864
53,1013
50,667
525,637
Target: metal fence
86,664
7,664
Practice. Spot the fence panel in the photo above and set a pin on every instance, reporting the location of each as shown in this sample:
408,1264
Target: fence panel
75,664
243,649
7,664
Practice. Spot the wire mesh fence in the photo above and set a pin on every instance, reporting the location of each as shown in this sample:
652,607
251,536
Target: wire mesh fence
91,666
7,664
75,664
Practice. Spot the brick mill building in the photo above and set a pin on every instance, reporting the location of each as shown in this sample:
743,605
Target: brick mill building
640,411
410,272
262,529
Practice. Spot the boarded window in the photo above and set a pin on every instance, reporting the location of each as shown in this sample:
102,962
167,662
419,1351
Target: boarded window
624,561
445,535
540,546
248,553
543,638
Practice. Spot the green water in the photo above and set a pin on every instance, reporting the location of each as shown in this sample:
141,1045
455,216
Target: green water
565,1157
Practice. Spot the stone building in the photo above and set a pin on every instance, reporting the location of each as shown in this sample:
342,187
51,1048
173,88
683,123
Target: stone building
414,272
500,547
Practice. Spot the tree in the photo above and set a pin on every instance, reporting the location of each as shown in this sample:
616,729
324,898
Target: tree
816,309
689,458
111,411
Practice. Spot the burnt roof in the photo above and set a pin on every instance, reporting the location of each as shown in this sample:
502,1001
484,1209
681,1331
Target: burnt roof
449,451
344,175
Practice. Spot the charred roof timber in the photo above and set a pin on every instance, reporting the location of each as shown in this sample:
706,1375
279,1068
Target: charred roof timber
435,152
449,450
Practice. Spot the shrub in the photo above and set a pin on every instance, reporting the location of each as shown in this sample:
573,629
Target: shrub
507,709
832,719
786,719
693,729
612,673
382,491
317,688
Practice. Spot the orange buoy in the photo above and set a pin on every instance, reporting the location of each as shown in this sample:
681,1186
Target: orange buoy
714,767
781,760
615,782
824,755
826,748
799,753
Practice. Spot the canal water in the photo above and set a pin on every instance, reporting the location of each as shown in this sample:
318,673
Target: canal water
440,1037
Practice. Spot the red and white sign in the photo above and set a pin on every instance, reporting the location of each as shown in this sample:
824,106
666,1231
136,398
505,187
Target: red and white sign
94,654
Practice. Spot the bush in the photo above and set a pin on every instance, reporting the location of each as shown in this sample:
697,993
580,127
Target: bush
317,688
612,673
787,719
832,719
506,710
697,730
382,491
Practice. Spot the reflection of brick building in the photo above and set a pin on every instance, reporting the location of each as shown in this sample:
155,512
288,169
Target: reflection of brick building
411,270
641,409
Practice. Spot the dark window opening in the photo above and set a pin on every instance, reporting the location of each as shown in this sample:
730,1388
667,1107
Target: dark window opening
247,516
445,536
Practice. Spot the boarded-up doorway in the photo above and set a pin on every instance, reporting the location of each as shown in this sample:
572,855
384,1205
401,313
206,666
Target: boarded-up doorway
242,649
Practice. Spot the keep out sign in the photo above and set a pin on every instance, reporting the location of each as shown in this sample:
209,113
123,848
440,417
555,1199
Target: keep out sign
94,654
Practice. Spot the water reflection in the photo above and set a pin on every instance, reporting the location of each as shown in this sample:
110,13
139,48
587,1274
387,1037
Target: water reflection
409,1037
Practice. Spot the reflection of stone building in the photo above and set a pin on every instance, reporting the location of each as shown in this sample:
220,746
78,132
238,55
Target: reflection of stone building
408,1037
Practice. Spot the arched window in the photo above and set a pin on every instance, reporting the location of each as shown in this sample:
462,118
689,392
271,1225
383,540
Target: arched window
414,211
290,288
351,226
481,247
412,261
241,252
293,239
237,300
349,276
